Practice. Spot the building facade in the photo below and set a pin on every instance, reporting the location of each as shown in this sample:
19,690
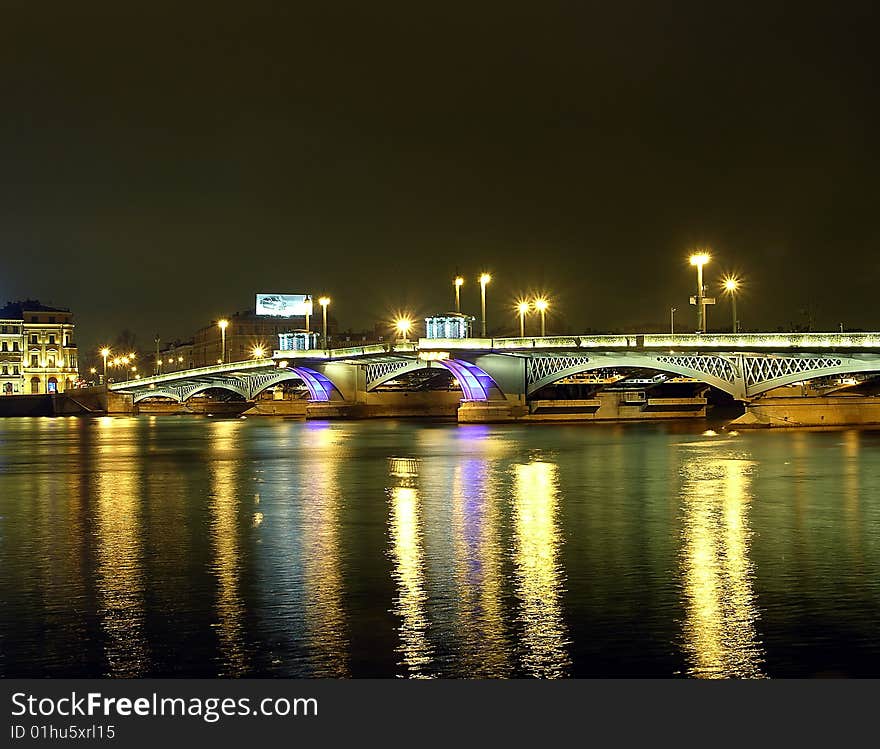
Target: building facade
38,353
246,335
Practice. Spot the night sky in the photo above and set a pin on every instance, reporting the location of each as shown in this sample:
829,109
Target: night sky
159,169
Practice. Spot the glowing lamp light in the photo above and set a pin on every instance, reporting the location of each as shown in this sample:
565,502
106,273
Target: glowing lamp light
459,281
699,258
324,301
223,324
105,352
523,307
730,284
541,304
485,278
259,352
403,325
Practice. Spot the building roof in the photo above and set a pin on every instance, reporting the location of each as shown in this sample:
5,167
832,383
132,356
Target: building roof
16,310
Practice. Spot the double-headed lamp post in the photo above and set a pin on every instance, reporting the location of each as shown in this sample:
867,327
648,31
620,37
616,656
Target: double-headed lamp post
324,301
699,259
730,285
541,304
223,324
484,280
523,308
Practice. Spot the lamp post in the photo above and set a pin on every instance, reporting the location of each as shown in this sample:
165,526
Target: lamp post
523,308
105,352
699,260
484,280
731,286
258,352
324,301
541,304
458,283
672,312
223,324
308,305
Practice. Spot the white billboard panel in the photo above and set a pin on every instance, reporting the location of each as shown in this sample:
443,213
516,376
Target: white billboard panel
284,305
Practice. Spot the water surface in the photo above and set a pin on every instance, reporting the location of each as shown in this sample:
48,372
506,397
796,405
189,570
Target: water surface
186,546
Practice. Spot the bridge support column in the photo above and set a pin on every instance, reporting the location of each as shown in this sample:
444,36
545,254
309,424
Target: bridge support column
507,400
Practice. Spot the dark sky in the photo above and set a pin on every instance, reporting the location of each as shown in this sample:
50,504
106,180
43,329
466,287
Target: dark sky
160,168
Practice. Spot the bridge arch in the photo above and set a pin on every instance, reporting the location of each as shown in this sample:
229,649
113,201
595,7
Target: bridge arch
476,384
320,387
716,370
143,395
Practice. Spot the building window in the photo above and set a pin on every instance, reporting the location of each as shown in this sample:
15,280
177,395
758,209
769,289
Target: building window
52,385
5,370
34,338
51,361
35,360
4,346
15,345
35,385
3,328
52,339
15,369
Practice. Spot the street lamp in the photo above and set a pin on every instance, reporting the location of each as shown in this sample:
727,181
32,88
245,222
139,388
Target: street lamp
541,304
458,284
523,307
105,352
699,259
308,310
324,301
484,279
258,352
730,285
672,311
223,324
403,325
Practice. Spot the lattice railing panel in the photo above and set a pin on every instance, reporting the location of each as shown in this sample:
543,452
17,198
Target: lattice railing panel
716,366
545,367
764,368
380,370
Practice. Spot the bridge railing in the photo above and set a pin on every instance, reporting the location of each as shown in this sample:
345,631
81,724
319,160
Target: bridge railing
349,352
661,341
214,369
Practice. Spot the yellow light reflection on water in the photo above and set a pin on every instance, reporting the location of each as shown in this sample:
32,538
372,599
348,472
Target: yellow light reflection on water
409,572
325,616
224,508
120,554
544,641
721,614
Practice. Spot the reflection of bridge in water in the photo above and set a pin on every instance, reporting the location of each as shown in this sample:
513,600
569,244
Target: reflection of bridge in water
503,378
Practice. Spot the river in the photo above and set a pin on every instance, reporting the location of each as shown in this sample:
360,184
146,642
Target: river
188,546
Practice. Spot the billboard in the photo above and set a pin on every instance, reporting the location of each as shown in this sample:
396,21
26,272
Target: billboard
284,305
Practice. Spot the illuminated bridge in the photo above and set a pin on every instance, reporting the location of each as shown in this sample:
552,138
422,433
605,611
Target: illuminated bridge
507,372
